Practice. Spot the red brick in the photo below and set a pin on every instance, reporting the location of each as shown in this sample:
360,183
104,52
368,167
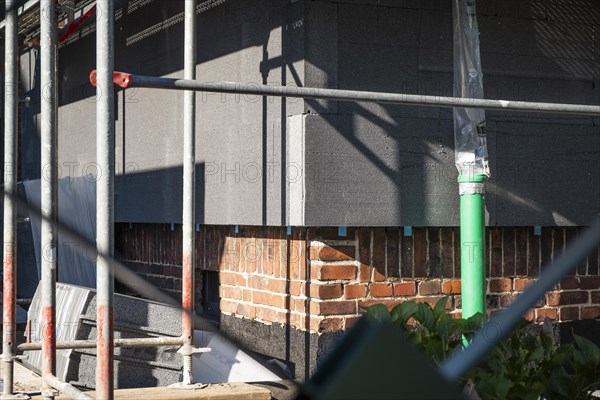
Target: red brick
298,320
331,324
364,274
381,290
325,292
298,304
276,285
355,291
451,286
529,315
507,298
343,253
543,313
296,257
378,276
350,321
590,312
596,297
247,310
500,285
302,256
257,282
563,298
405,289
228,306
429,287
389,303
296,288
231,292
269,314
269,299
363,236
336,307
590,282
522,283
231,278
333,272
433,300
569,313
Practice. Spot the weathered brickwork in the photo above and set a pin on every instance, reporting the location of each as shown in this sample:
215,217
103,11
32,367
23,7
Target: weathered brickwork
315,280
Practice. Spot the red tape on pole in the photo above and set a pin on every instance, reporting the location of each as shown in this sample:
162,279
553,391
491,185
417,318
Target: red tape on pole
121,79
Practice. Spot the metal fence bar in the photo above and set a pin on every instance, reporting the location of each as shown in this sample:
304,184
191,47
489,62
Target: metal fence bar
9,284
189,193
90,344
49,191
497,329
128,80
105,140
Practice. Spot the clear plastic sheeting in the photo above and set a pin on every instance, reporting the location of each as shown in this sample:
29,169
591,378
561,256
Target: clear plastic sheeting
76,210
469,123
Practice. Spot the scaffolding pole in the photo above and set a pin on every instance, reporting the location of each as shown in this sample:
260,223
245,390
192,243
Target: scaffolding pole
126,80
105,150
49,192
9,284
90,344
189,193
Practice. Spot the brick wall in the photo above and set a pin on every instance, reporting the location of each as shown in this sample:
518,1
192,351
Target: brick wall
317,281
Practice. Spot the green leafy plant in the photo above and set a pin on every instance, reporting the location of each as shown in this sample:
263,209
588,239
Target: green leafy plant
528,365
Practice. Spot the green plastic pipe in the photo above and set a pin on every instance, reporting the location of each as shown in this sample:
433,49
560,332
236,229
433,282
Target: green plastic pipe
472,244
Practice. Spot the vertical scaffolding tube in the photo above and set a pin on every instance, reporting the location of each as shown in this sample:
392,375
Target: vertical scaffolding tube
189,192
10,190
49,193
105,139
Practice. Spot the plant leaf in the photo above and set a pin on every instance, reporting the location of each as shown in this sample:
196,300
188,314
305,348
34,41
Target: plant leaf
403,311
590,351
440,307
424,315
379,312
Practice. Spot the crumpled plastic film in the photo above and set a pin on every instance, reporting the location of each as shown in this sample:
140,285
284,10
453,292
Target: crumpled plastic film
469,124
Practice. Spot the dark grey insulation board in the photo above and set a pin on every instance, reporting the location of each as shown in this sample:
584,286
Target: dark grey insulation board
360,164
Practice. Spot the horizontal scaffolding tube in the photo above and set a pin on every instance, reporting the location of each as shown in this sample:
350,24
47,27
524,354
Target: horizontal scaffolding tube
91,344
66,388
127,81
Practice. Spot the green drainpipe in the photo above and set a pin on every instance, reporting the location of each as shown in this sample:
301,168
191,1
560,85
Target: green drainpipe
472,244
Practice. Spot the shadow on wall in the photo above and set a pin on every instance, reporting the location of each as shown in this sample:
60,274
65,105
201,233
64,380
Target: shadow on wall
531,51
